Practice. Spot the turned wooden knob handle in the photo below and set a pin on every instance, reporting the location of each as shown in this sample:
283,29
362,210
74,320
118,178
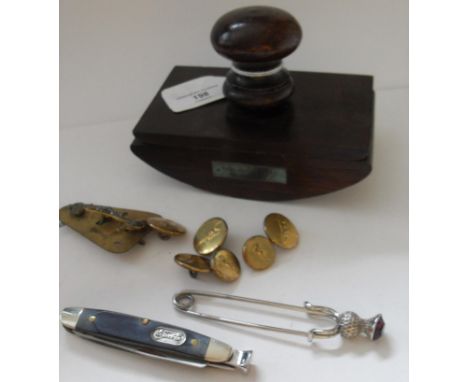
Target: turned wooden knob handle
256,39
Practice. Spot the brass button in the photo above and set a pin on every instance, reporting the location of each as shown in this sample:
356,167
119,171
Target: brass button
258,253
210,236
281,231
165,227
193,263
225,265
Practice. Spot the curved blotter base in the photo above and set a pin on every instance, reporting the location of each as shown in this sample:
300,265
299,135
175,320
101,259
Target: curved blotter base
196,168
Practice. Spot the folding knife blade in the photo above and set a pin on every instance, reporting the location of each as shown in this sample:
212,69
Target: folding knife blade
153,339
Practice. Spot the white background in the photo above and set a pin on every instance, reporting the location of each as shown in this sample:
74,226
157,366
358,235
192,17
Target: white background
353,250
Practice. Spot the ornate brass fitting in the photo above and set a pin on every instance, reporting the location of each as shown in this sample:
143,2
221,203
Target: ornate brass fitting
116,229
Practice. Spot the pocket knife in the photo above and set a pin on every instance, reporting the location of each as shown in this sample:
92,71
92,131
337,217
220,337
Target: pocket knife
153,339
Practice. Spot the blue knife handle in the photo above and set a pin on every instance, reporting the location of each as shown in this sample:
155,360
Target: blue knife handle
142,333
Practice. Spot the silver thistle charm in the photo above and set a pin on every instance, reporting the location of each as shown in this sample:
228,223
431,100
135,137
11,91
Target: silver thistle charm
348,324
351,326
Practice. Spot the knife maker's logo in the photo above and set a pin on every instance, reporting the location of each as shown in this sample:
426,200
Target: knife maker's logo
169,336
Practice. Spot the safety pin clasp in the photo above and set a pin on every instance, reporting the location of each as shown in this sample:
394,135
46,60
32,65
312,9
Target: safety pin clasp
347,324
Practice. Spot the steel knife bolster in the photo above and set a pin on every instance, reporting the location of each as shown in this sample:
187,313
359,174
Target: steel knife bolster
153,339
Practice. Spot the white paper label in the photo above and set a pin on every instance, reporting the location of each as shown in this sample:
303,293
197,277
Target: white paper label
192,94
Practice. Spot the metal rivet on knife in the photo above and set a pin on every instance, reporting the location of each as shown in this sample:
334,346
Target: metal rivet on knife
92,318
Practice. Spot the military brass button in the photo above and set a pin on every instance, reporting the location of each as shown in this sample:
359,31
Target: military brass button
281,231
225,265
193,263
165,227
258,253
210,236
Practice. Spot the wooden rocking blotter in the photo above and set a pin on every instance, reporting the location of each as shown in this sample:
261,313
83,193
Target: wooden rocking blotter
278,135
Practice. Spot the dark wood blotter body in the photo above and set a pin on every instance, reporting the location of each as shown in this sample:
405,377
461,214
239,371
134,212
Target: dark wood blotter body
321,138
